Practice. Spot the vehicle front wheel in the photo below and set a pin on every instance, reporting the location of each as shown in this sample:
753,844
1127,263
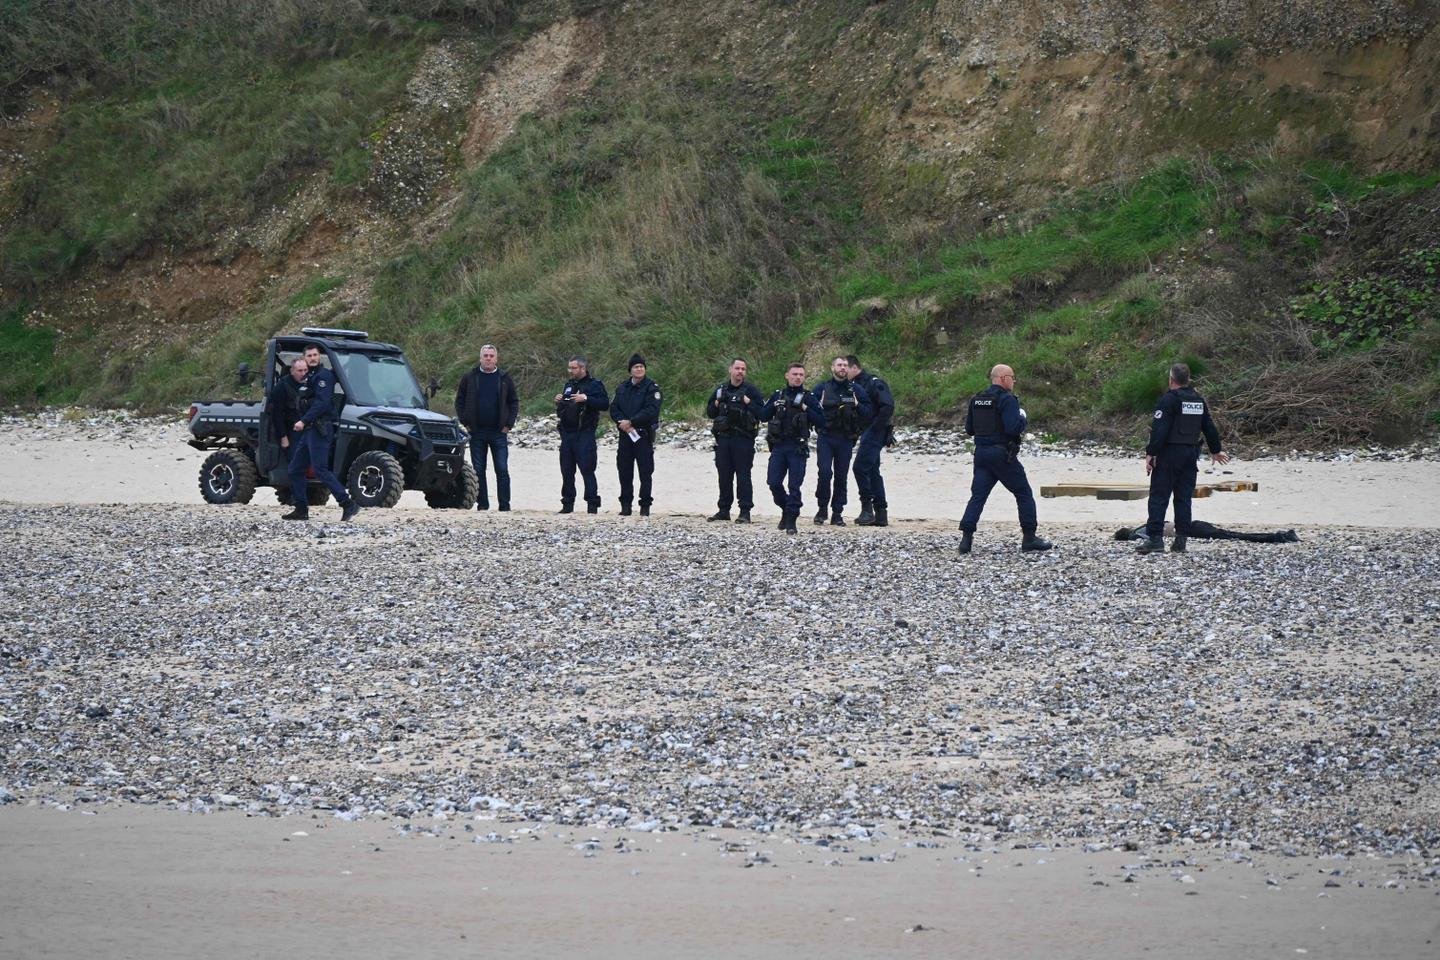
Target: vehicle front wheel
376,479
458,496
227,476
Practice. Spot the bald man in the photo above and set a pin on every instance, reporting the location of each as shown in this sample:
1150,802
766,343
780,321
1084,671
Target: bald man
997,422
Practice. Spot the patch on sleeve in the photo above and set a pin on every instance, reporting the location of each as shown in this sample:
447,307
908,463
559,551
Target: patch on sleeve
1159,414
657,394
1192,408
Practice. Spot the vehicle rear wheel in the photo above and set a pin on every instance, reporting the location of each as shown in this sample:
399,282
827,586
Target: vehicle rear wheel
460,495
227,476
376,479
316,494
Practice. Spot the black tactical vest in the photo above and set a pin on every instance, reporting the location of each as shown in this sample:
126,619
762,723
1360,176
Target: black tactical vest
985,414
790,421
570,412
1189,414
733,417
841,416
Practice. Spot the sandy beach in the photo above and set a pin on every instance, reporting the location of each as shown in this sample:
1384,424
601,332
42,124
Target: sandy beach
437,733
151,464
134,882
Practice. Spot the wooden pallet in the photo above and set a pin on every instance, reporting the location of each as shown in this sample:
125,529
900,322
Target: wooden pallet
1139,491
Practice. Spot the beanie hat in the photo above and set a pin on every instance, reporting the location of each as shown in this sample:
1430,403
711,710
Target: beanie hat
636,358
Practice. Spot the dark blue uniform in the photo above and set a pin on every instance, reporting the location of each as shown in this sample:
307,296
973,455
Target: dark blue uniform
1181,416
640,404
997,422
488,405
875,438
847,408
312,446
736,424
577,439
791,412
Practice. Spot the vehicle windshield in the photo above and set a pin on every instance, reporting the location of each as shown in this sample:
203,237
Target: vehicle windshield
380,380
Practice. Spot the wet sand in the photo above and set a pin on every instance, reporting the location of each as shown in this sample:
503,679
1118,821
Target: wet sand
138,882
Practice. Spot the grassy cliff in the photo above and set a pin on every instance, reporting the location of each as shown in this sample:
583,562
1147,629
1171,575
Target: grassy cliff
777,181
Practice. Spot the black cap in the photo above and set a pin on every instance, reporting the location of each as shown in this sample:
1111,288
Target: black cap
636,358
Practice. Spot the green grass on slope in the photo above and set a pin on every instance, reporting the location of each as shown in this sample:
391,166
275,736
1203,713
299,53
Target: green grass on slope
662,223
1101,355
176,163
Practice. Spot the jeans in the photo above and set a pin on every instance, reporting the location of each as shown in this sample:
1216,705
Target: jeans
497,443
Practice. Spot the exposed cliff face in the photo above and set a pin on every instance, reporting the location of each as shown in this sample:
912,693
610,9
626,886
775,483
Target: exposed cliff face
1007,100
942,115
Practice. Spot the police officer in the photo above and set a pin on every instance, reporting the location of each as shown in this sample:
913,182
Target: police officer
487,404
879,433
846,406
284,406
636,411
578,406
735,409
997,422
1180,418
315,430
790,412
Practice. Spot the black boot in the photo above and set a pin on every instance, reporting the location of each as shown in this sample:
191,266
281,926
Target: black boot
299,513
644,511
790,519
1179,545
967,540
1033,544
1151,545
836,520
821,516
744,516
784,519
592,508
882,517
722,515
867,513
624,510
567,508
504,508
348,510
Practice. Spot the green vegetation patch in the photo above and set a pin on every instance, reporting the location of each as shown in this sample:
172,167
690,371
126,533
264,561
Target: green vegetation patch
1359,312
664,223
211,146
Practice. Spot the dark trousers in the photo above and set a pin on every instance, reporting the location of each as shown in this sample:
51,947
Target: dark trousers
311,449
867,466
1173,477
832,464
497,443
629,455
577,449
787,460
734,459
993,464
